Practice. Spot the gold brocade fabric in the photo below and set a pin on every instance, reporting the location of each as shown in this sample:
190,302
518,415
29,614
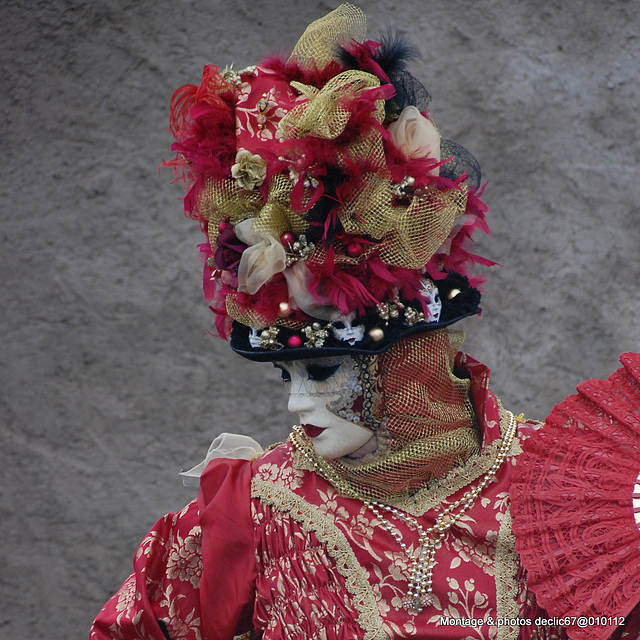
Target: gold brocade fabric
427,421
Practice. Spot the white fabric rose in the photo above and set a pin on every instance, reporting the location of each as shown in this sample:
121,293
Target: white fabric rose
416,136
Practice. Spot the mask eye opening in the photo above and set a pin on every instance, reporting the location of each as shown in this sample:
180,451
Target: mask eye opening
321,372
285,376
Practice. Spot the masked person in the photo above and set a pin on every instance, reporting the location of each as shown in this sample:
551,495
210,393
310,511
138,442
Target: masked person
338,226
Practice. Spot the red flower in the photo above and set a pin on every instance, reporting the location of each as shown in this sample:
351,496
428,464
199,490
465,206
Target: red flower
228,249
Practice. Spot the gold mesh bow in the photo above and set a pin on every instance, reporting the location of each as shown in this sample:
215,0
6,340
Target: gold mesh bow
326,112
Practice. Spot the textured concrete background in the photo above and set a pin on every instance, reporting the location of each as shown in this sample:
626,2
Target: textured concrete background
109,382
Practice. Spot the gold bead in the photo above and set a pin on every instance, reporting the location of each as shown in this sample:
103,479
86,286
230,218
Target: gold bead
453,293
376,334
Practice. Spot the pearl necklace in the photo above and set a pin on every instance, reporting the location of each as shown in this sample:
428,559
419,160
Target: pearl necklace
423,561
420,592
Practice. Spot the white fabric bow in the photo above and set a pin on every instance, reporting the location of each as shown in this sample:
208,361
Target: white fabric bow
226,445
298,277
263,258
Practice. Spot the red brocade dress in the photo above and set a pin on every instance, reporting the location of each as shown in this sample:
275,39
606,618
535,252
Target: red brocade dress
271,547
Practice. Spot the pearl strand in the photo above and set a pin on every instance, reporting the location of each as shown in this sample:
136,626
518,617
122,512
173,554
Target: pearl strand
420,591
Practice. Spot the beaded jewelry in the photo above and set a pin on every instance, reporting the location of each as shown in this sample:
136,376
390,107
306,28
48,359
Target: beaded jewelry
423,561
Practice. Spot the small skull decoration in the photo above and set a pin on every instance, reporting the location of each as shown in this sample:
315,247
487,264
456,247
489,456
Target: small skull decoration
344,329
430,293
254,338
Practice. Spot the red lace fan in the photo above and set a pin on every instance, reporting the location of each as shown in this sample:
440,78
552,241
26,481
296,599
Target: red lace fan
572,501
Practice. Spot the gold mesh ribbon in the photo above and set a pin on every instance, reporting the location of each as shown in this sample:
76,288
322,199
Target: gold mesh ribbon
325,113
410,234
223,199
276,216
247,316
421,228
430,424
317,46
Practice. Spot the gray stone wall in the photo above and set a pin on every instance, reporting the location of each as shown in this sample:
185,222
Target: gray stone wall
109,381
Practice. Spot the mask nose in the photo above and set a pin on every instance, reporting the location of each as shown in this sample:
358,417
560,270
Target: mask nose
299,402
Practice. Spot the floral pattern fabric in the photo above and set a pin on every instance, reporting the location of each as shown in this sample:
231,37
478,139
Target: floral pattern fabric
299,511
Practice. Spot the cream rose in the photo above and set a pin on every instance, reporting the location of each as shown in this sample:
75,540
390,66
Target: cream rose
416,136
250,169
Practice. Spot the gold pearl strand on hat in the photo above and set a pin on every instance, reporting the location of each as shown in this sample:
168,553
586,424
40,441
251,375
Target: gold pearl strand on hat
420,592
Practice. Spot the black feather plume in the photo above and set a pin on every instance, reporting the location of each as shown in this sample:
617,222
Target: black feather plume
393,55
394,52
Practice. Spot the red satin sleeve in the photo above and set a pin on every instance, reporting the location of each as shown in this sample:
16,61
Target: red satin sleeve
227,588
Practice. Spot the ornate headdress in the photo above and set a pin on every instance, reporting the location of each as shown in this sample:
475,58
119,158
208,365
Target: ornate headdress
337,218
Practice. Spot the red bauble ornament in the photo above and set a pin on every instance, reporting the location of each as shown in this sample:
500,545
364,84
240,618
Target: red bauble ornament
354,250
294,342
287,239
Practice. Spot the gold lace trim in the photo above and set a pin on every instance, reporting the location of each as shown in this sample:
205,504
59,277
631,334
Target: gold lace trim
440,489
506,569
507,561
337,545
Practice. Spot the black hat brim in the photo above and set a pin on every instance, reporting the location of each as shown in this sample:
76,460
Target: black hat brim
463,304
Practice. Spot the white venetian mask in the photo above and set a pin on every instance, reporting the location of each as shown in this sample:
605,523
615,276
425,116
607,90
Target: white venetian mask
254,338
431,296
319,390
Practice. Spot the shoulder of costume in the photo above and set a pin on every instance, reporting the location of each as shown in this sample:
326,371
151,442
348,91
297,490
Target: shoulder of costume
224,476
280,453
